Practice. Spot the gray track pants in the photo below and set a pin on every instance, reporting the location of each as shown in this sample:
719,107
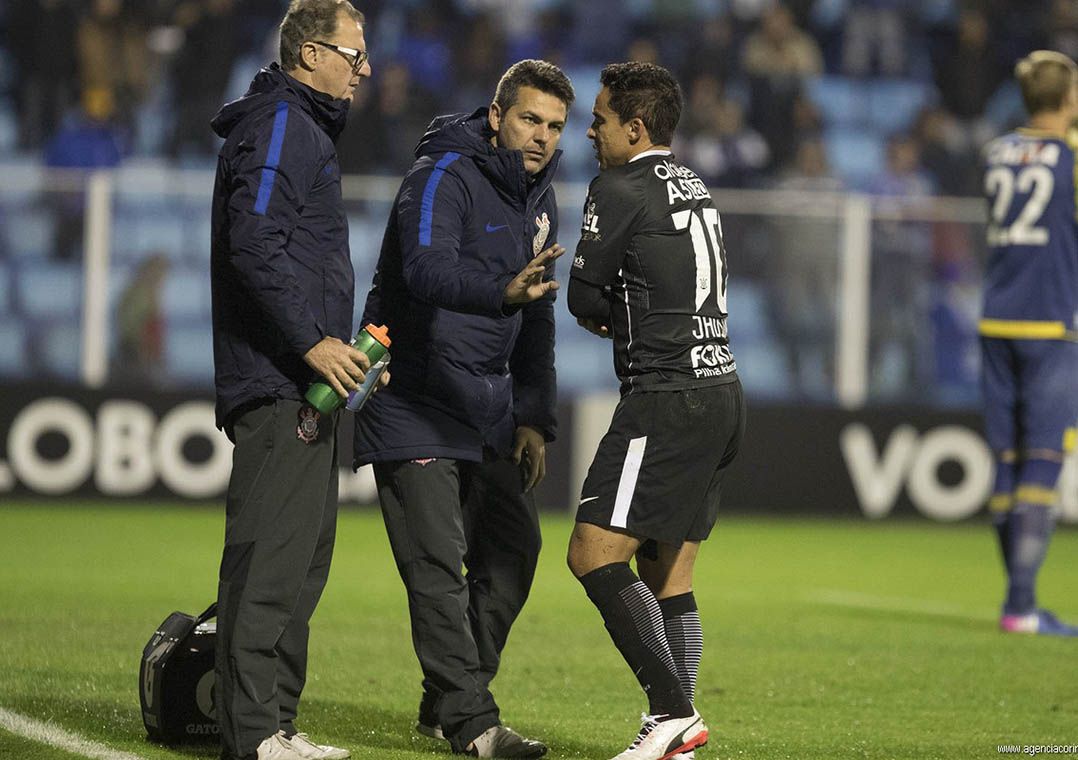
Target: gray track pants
441,516
279,531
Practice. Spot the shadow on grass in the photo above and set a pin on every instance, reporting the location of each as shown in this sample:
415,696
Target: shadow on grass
366,726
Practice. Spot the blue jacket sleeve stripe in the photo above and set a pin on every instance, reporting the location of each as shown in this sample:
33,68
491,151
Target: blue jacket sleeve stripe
273,158
426,211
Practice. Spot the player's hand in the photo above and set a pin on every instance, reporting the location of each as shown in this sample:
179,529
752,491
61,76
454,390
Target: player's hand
529,285
530,448
595,327
343,366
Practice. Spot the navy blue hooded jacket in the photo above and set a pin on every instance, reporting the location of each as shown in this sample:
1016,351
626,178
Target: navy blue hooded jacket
282,276
465,371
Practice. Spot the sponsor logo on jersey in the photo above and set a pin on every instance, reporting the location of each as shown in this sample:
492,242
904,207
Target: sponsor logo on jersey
682,184
543,223
578,262
711,360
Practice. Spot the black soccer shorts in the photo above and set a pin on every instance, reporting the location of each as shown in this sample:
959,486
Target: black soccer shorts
658,470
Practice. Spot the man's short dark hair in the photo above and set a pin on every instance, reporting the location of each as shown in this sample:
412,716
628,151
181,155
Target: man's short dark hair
308,20
543,76
647,92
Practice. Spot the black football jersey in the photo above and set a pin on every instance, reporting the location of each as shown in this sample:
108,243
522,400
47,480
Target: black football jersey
652,236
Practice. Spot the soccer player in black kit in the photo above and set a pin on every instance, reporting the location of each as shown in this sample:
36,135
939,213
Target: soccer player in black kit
650,272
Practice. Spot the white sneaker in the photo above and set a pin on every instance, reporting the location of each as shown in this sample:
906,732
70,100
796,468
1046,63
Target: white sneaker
301,744
667,739
275,748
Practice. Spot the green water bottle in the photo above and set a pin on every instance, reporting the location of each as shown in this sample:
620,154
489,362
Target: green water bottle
373,340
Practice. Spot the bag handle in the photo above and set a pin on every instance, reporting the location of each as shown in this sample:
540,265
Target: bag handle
210,612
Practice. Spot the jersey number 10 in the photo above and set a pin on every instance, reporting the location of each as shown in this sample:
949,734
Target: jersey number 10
1000,184
707,246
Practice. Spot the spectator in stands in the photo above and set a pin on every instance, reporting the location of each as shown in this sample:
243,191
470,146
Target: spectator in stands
723,149
777,58
901,270
946,153
209,48
805,278
42,41
969,72
113,56
1063,28
714,51
780,50
89,139
140,325
385,137
875,29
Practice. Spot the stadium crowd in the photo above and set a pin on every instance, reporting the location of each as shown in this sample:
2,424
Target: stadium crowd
154,71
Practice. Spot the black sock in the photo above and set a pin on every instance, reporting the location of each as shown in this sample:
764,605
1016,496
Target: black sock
685,637
633,619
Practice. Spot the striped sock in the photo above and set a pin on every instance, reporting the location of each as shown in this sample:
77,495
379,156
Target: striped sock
685,635
635,623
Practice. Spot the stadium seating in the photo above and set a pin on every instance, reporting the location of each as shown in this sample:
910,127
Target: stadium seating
12,348
188,352
856,155
186,295
5,289
49,290
893,104
58,346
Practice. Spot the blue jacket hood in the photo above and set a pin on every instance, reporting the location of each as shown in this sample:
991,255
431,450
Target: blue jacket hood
470,135
271,85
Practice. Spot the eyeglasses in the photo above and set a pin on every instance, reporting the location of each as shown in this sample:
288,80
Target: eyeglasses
356,57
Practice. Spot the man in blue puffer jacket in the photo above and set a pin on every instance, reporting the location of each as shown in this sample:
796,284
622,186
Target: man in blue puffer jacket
283,291
458,439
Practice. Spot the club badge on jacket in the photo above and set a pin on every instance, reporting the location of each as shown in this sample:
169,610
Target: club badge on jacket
543,223
307,430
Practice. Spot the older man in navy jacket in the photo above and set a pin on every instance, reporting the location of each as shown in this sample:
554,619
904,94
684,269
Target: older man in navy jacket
458,439
283,292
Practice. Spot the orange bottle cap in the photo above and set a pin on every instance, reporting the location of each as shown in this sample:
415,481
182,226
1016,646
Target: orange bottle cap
380,333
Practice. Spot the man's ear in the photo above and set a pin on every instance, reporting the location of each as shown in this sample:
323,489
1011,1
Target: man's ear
636,130
494,116
308,55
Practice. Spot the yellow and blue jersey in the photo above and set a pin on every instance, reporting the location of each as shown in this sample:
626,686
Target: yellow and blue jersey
1031,279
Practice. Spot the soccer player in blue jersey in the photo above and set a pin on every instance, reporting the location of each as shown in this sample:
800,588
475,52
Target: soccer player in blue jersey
1029,331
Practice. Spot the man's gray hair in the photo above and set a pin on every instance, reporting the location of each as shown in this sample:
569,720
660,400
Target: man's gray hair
308,20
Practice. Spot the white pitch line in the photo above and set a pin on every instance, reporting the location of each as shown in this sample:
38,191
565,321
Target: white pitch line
46,733
855,599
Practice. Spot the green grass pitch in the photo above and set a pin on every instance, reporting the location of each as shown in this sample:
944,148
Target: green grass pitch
823,639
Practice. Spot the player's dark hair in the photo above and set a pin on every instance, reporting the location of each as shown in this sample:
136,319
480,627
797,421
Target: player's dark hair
647,92
543,76
308,20
1045,78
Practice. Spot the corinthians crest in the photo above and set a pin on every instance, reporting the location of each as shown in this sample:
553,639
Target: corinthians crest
307,430
543,223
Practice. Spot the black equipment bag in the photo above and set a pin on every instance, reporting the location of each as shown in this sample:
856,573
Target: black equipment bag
176,680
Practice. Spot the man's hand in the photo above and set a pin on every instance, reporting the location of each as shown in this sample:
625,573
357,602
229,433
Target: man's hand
530,446
528,285
343,366
595,327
